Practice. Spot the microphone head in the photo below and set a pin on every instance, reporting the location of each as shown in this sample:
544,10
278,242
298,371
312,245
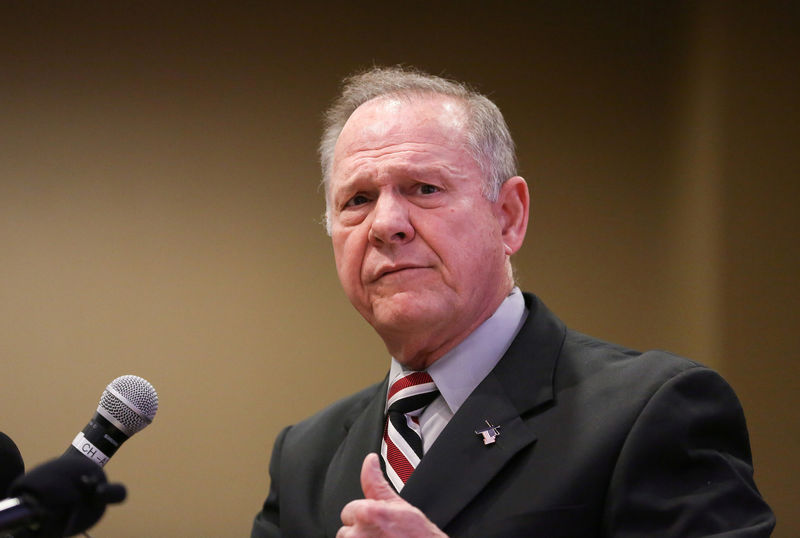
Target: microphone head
130,403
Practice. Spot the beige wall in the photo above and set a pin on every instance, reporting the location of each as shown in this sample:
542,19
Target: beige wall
159,215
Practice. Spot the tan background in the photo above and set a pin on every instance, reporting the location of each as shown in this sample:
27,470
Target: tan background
159,215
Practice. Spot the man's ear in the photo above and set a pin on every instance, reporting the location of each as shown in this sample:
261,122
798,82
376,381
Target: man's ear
513,206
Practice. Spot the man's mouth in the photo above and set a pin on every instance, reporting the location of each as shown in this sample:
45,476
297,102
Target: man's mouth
388,271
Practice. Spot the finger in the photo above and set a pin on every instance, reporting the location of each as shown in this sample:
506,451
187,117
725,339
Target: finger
373,483
348,514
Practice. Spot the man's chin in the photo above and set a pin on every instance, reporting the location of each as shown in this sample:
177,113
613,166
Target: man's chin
406,311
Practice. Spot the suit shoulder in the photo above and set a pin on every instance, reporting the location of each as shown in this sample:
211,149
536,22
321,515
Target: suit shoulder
571,351
585,357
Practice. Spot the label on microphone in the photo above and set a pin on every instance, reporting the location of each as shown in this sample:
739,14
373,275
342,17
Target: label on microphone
85,447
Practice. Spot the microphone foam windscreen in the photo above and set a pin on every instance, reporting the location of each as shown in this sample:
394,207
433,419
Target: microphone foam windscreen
11,464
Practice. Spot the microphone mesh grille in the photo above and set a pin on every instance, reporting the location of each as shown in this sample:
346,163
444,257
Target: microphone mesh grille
140,393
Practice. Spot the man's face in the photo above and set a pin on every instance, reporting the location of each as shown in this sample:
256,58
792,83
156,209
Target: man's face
418,248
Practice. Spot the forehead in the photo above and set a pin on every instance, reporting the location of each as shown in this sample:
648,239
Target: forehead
411,126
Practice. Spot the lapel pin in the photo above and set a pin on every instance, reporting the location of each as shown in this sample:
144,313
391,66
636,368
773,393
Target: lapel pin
489,434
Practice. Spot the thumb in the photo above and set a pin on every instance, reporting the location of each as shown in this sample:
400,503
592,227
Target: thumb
373,483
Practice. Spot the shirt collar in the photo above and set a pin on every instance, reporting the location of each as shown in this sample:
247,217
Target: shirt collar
459,371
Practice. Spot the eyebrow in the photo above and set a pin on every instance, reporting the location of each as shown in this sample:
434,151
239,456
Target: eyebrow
409,171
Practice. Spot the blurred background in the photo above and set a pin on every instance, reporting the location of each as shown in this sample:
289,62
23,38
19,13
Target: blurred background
160,214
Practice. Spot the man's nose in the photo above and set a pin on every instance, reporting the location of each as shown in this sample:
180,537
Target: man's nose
390,222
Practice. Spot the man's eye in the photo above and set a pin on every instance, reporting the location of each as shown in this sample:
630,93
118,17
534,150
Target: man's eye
428,189
358,199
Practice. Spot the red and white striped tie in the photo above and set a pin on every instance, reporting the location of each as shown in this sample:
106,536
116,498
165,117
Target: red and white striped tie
401,448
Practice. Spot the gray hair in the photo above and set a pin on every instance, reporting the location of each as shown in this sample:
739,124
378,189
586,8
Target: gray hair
488,139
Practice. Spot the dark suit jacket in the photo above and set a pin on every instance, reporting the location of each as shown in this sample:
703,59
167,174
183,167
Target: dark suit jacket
595,440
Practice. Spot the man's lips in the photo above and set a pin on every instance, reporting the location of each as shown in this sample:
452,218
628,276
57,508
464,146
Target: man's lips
395,269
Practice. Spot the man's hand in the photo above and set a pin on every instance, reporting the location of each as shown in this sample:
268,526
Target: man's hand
382,513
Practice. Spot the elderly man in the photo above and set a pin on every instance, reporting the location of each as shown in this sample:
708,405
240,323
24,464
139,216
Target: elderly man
495,419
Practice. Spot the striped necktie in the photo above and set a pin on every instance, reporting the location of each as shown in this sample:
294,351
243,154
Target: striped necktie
401,448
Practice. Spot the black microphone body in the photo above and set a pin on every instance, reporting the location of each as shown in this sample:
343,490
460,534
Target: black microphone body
98,441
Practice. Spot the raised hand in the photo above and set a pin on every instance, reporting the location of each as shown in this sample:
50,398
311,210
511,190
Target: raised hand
382,512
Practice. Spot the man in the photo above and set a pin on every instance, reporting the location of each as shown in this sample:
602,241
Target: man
495,420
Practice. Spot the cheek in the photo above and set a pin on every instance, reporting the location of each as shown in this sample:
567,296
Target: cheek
478,247
348,253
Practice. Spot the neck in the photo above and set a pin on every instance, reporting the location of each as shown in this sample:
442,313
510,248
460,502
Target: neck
418,349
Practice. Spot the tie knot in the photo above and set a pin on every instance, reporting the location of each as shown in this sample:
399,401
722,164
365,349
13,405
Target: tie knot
411,391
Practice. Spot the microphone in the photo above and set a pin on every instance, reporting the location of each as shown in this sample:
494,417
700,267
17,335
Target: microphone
62,497
69,494
11,464
127,406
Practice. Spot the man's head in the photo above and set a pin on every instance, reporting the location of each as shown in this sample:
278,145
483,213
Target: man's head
487,135
424,209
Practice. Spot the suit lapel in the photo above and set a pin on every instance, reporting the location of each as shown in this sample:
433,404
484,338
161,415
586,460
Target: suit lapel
343,479
459,461
458,465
